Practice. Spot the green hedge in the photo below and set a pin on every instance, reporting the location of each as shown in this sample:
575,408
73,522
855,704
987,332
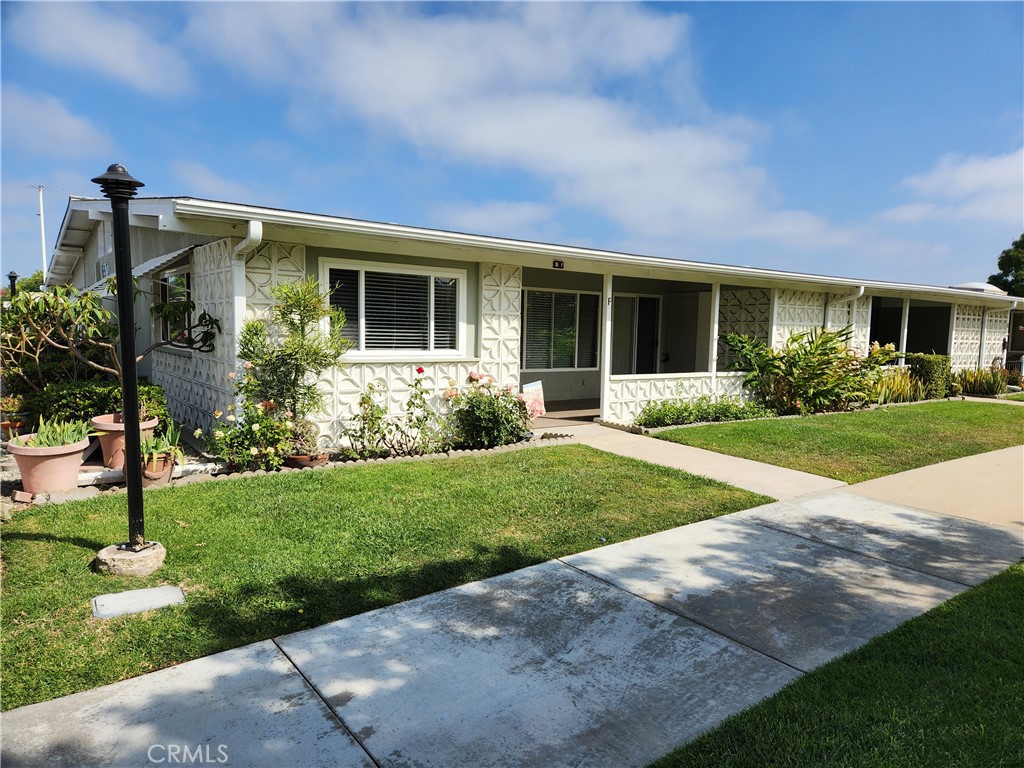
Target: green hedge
74,400
933,371
667,413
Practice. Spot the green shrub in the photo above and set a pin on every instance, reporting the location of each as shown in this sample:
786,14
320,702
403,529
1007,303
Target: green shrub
933,371
814,372
666,413
52,434
258,439
486,415
897,385
71,400
981,381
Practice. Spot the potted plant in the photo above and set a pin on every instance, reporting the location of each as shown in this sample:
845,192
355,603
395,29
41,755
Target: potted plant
12,415
305,450
50,458
111,431
160,453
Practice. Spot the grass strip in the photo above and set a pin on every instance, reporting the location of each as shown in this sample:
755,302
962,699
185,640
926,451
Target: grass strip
863,445
943,690
263,556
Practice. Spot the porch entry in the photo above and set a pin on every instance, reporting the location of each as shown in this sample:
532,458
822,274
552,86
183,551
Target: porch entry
636,329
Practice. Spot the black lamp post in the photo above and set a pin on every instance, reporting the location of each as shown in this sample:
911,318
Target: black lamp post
118,185
12,277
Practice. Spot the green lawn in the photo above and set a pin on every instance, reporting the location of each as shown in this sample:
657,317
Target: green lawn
859,446
1019,397
262,556
945,689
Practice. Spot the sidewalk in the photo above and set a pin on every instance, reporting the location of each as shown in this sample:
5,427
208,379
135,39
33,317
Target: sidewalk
605,658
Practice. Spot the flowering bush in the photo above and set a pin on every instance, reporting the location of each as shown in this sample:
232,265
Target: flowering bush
257,437
418,430
486,415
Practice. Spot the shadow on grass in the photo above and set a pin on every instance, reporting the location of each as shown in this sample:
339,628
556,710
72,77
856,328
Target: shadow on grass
257,610
75,541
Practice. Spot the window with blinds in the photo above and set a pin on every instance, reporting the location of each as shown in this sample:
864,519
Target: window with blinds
559,330
397,310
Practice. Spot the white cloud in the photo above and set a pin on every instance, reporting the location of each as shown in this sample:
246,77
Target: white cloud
204,182
40,124
977,188
99,38
498,217
528,86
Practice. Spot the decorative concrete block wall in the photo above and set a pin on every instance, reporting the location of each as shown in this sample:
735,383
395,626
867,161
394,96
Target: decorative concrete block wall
967,323
796,312
744,311
197,383
629,394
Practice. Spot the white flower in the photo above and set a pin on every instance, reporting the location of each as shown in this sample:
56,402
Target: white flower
229,417
254,450
255,427
288,424
197,433
219,434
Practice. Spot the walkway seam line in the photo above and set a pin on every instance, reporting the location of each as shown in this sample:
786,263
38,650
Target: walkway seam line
699,623
330,709
841,548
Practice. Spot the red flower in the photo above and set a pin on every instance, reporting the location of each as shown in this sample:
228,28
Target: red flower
419,370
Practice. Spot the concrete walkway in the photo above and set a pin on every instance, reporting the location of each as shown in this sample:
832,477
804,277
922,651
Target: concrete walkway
610,657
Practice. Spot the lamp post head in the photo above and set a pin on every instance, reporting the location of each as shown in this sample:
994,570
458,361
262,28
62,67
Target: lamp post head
12,277
117,182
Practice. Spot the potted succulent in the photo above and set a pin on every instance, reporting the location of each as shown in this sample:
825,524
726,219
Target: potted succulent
110,427
12,415
305,450
160,453
49,459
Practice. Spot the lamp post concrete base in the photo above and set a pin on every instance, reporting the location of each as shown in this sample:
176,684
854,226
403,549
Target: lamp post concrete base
122,560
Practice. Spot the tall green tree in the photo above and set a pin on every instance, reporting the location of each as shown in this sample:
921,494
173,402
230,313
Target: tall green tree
1011,269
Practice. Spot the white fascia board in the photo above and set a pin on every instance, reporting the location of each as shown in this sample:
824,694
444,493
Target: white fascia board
577,259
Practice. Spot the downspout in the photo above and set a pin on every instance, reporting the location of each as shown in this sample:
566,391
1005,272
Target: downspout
253,237
1009,335
841,300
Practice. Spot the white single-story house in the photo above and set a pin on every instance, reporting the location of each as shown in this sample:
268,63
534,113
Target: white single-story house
614,329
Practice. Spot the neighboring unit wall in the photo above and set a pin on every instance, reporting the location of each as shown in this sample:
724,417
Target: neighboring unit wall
197,383
629,394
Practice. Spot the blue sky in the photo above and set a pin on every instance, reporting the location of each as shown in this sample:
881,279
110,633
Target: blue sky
876,140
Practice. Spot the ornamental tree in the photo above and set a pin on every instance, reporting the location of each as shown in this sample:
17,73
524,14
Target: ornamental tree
286,352
1010,277
77,323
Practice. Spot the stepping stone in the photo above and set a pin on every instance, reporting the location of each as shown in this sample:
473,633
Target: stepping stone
135,601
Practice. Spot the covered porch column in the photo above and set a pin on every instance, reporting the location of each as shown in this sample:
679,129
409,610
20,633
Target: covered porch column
606,348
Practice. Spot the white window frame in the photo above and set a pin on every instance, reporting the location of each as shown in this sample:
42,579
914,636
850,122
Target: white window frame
358,354
162,290
575,353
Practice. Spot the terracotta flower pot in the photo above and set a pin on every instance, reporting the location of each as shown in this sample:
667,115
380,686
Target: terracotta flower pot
111,425
44,470
158,472
301,460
